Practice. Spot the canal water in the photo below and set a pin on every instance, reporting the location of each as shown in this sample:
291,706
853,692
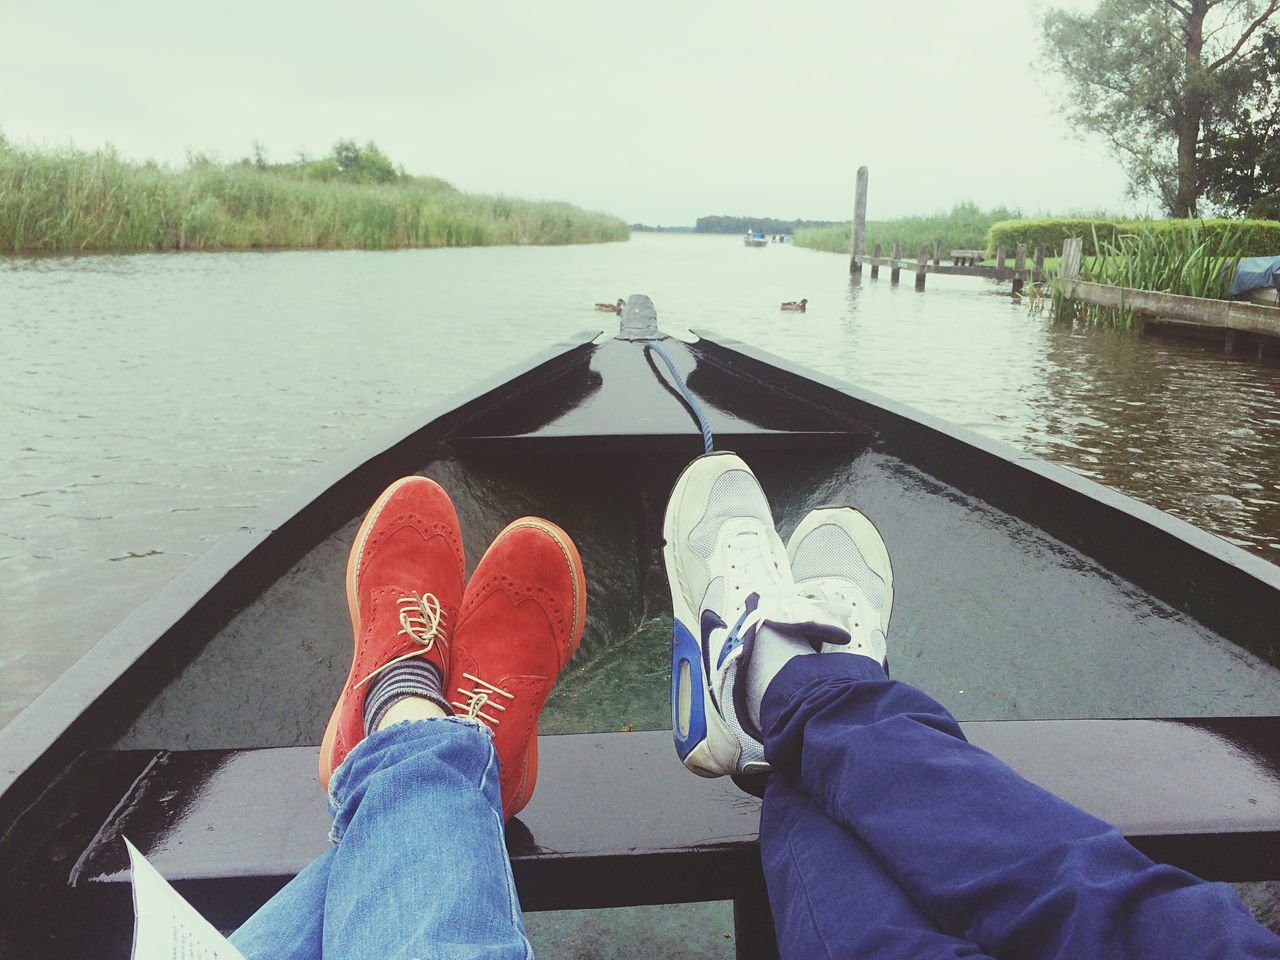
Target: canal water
152,403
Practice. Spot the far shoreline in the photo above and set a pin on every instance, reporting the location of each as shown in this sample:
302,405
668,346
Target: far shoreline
70,201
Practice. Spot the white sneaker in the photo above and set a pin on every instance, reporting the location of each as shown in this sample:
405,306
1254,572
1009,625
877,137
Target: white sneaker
839,559
729,574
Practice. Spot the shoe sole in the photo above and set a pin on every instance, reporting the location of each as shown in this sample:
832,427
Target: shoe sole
530,778
705,745
865,536
353,608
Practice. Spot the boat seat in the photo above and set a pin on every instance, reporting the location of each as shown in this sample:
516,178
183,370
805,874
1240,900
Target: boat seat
617,821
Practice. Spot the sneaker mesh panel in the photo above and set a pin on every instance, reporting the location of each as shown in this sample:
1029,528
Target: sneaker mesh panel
734,494
830,552
752,749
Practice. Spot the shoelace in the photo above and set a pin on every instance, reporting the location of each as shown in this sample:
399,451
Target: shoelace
748,551
479,697
421,619
842,600
748,554
836,597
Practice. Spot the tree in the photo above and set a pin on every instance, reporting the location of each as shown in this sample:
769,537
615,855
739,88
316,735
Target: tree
1145,74
1241,167
366,164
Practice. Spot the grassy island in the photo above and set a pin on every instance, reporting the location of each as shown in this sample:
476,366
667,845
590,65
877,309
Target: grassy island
72,201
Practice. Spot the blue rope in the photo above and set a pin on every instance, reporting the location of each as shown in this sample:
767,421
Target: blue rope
688,396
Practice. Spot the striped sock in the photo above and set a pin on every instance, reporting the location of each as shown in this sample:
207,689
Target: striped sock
408,678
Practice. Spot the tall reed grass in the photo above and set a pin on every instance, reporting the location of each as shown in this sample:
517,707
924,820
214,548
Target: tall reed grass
70,200
964,227
1191,262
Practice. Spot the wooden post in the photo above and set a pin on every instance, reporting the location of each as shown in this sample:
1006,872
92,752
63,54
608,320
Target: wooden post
1039,261
1072,254
937,253
1019,263
875,262
896,269
858,240
922,265
999,262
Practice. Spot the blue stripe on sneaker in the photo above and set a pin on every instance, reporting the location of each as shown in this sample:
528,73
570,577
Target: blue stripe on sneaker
710,622
735,638
686,660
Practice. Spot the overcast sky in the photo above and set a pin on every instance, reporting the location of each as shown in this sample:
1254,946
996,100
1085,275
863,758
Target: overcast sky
658,111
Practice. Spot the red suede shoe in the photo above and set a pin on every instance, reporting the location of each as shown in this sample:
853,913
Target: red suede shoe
521,621
404,587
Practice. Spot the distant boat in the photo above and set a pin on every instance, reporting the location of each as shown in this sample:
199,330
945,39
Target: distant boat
1256,279
1267,296
755,238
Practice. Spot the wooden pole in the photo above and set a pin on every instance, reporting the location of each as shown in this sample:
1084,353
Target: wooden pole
858,240
1019,263
875,262
999,262
937,253
922,265
896,269
1072,254
1039,261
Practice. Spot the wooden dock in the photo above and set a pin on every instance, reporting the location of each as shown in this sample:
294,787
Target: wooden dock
998,269
964,263
1236,323
1250,323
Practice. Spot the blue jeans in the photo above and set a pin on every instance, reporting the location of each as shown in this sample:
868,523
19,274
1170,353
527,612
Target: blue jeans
419,869
886,834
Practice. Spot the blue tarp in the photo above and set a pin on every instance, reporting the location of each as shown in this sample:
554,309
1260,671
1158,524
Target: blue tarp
1254,272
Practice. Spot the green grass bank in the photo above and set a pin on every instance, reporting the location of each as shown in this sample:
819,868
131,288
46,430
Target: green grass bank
1188,257
1241,238
72,201
964,227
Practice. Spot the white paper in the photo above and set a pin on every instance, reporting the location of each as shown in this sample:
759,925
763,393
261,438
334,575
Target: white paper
166,927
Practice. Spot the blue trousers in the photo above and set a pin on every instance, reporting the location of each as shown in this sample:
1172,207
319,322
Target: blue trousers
884,835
